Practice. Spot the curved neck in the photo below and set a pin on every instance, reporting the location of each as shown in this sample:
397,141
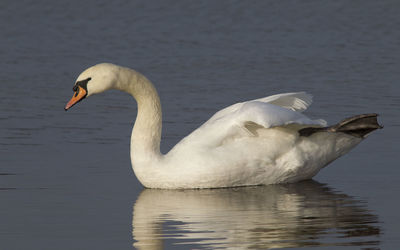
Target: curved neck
146,133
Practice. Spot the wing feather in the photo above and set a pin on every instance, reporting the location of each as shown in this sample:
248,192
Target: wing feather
238,120
297,101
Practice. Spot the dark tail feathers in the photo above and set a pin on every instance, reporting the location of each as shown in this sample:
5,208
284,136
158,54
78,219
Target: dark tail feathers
358,126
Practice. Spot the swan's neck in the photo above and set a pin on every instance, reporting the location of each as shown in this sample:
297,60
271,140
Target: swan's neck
146,133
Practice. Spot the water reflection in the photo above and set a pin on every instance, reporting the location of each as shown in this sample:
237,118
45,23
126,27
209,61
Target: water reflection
277,216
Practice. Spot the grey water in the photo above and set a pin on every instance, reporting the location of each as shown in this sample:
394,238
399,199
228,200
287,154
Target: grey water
65,177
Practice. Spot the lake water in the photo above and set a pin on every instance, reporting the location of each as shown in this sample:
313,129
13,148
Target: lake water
65,177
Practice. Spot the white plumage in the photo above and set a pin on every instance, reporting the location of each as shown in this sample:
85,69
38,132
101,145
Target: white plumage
249,143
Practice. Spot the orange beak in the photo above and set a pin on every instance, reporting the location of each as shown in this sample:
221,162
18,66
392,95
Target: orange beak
79,94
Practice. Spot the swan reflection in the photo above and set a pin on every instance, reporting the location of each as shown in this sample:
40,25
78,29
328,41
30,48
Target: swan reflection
275,216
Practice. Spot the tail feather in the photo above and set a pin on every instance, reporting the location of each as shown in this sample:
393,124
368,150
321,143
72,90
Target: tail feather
358,126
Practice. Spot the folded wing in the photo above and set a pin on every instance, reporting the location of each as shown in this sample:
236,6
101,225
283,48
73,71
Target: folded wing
237,120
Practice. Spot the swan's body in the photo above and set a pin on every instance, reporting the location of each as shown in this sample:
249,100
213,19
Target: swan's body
251,143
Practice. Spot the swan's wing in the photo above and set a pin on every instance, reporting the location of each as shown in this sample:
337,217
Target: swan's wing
264,114
244,120
298,101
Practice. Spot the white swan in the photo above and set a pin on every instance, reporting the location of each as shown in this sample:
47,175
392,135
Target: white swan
263,141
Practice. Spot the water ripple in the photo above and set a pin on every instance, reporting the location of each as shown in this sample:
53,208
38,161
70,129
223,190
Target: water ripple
278,216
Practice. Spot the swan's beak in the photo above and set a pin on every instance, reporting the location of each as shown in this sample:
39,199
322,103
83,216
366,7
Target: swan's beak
79,94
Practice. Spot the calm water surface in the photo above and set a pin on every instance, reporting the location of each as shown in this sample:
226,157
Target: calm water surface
65,177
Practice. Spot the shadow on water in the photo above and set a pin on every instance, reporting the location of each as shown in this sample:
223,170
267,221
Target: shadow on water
277,216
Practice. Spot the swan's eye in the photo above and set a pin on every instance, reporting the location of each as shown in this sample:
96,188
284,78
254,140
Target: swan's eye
76,91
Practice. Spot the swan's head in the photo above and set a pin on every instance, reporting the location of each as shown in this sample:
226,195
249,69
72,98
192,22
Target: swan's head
93,80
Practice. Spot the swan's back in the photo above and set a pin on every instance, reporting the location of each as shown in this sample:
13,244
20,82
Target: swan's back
245,118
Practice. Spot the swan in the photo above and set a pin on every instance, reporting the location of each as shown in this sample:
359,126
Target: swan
258,142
